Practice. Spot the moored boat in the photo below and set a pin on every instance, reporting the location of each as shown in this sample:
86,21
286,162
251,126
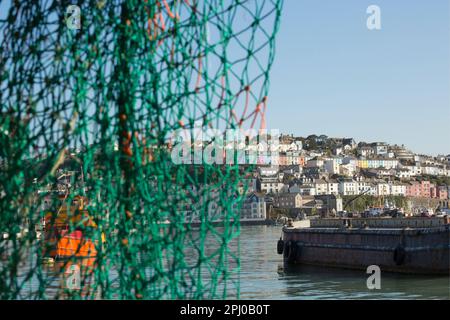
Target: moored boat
67,234
406,245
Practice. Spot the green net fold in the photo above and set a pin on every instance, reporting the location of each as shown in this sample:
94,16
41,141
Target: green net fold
92,205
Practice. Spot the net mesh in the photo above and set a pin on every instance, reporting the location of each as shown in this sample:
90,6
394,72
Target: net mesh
91,202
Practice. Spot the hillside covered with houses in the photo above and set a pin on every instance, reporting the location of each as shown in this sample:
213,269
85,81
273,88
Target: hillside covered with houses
314,175
320,175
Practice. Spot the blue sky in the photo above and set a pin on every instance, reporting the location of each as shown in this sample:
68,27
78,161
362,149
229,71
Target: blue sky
333,76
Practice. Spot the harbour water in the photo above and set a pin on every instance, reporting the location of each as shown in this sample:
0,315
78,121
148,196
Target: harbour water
263,276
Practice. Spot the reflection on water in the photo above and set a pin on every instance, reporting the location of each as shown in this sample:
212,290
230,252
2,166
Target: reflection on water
263,276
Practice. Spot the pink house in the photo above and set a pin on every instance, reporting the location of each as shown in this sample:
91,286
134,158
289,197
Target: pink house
425,189
413,189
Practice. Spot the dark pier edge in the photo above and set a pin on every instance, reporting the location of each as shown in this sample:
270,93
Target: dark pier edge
413,246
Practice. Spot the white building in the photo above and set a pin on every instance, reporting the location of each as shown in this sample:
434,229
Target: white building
365,151
348,169
415,170
293,146
332,165
403,173
434,170
270,185
380,148
266,171
254,207
321,186
383,188
348,166
347,187
390,163
398,189
307,190
363,186
333,187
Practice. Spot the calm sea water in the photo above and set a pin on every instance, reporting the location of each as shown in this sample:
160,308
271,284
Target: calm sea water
263,276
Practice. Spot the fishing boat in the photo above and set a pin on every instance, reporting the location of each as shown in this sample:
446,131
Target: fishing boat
414,245
68,234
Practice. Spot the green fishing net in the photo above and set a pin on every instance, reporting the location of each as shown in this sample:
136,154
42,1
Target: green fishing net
92,203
